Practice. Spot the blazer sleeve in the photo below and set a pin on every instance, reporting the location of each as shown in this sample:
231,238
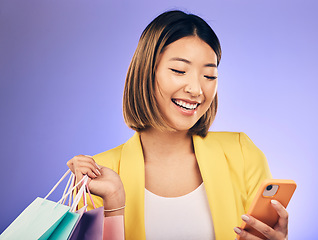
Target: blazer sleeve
256,168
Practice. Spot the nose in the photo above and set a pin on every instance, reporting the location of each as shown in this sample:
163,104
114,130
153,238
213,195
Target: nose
193,87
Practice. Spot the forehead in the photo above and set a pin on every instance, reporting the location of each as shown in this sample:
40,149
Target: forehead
191,48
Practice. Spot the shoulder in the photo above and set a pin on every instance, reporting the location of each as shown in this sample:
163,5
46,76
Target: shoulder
227,139
113,157
241,152
223,137
247,163
236,145
109,158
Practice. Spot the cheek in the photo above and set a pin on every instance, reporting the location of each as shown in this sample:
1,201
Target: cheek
214,89
166,85
211,91
162,93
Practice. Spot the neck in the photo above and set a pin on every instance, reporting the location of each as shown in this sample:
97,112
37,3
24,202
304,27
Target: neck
165,146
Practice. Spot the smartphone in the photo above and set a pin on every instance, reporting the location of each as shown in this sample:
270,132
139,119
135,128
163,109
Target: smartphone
261,207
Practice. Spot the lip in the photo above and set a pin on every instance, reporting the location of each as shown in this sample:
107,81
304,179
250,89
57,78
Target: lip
184,111
187,100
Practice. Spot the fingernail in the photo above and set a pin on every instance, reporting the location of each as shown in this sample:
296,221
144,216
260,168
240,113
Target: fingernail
237,230
274,201
97,166
245,218
98,172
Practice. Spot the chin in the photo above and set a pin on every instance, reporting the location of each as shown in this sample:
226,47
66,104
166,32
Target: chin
182,128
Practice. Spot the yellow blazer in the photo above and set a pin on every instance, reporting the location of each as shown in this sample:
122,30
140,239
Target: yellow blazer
232,168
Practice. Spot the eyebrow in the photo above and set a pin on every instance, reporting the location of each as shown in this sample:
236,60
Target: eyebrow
188,62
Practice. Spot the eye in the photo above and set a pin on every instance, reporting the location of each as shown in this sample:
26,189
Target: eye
210,77
177,71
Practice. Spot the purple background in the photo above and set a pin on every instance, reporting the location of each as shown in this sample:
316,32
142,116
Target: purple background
62,72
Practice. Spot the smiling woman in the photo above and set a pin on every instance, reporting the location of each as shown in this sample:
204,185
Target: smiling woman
141,108
173,179
186,82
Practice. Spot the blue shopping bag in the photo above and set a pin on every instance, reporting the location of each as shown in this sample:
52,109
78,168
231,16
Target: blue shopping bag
80,212
71,219
37,221
45,219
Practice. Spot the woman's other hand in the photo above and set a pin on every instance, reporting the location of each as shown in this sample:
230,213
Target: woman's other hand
279,232
103,182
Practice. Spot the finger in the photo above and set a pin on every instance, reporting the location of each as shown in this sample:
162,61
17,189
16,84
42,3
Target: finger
86,170
70,165
73,162
81,172
81,160
91,165
90,174
99,167
87,158
282,213
264,229
82,157
93,162
245,235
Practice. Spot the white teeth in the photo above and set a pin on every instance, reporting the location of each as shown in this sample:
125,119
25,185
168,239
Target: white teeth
189,106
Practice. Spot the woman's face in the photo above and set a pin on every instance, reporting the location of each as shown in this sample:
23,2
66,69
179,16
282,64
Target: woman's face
186,81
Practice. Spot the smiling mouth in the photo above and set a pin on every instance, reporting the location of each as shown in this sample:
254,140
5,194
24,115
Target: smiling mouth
185,105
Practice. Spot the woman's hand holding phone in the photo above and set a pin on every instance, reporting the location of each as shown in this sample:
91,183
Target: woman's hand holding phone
267,217
279,232
103,182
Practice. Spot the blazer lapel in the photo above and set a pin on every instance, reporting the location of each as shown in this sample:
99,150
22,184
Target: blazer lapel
216,177
132,173
217,180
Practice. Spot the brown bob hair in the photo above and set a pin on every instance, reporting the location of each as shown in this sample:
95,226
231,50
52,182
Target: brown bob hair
140,107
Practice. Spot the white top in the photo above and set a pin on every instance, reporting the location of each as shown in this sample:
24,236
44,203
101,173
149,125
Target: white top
183,218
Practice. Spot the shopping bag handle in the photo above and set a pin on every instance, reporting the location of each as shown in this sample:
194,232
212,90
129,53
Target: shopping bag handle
84,194
90,196
56,185
84,189
79,194
70,182
84,179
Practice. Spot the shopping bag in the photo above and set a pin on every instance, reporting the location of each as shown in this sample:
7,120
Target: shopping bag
80,212
91,224
40,219
37,221
66,226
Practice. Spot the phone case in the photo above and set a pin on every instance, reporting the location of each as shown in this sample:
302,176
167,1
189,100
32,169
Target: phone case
261,207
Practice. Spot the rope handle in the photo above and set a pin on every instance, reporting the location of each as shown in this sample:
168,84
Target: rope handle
85,178
70,187
56,185
76,198
90,196
79,195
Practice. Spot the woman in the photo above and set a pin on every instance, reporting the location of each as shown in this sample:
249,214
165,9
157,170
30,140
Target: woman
176,179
